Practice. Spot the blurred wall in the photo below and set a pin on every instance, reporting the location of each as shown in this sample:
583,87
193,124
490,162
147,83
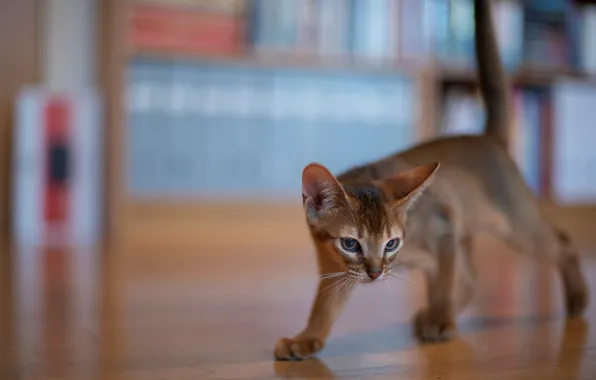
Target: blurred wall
51,42
69,43
19,65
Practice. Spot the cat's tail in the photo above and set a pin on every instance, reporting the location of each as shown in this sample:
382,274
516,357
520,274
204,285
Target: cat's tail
492,76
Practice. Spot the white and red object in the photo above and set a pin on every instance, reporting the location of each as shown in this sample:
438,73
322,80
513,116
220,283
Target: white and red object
57,168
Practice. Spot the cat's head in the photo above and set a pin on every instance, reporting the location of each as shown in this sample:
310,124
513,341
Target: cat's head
363,223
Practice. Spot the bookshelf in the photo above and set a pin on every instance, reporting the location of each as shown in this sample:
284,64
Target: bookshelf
287,59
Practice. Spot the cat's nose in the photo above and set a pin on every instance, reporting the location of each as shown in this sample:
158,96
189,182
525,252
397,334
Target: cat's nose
374,274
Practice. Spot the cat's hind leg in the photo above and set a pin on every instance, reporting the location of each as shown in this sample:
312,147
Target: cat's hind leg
574,283
551,244
450,287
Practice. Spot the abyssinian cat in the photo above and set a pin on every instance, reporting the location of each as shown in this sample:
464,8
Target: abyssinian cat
370,220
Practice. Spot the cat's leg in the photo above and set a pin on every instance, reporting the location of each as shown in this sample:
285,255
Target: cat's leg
547,242
332,294
449,289
436,321
465,275
574,283
327,305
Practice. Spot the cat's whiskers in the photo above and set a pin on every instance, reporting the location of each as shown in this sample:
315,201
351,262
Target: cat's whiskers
387,283
403,264
346,284
343,285
332,275
403,278
334,286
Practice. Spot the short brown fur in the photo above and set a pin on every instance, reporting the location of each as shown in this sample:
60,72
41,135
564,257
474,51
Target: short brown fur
478,188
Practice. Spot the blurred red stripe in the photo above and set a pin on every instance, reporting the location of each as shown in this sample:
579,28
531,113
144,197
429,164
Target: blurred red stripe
194,31
57,116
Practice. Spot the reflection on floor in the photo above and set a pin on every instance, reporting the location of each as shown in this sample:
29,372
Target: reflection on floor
216,315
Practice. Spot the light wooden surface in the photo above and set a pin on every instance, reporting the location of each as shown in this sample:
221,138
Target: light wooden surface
216,314
186,227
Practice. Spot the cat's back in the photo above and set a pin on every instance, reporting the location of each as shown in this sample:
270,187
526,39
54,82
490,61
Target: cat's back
478,177
480,158
479,155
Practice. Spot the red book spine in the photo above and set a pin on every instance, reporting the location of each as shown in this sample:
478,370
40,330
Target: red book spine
182,30
56,192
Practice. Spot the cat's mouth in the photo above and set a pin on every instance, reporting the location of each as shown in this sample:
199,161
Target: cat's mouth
367,278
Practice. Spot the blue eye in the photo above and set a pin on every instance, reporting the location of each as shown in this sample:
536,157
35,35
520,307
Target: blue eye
350,245
392,245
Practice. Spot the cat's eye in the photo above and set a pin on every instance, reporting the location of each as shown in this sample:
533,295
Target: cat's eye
392,245
350,244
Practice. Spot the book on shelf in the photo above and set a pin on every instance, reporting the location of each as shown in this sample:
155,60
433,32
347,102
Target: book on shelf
333,28
287,26
157,26
449,27
412,35
207,129
553,34
574,157
378,31
461,30
508,18
560,34
526,143
367,29
587,39
224,6
373,32
546,34
549,35
462,112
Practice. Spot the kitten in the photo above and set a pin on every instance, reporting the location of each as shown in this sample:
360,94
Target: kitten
374,218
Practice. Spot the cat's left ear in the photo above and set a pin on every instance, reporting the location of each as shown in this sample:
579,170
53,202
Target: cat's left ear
322,194
405,188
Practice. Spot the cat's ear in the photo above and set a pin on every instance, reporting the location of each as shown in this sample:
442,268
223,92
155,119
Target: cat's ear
404,188
322,194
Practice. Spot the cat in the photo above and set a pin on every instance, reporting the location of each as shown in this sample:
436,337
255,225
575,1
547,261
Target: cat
420,208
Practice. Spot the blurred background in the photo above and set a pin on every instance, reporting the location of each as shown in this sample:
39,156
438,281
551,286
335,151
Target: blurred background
178,130
137,120
130,121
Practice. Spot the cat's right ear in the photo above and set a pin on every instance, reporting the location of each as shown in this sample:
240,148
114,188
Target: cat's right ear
406,187
322,194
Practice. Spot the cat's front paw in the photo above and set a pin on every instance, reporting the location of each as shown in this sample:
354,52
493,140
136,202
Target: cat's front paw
297,349
433,326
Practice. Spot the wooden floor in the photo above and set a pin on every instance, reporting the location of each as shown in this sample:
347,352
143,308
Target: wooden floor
217,314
